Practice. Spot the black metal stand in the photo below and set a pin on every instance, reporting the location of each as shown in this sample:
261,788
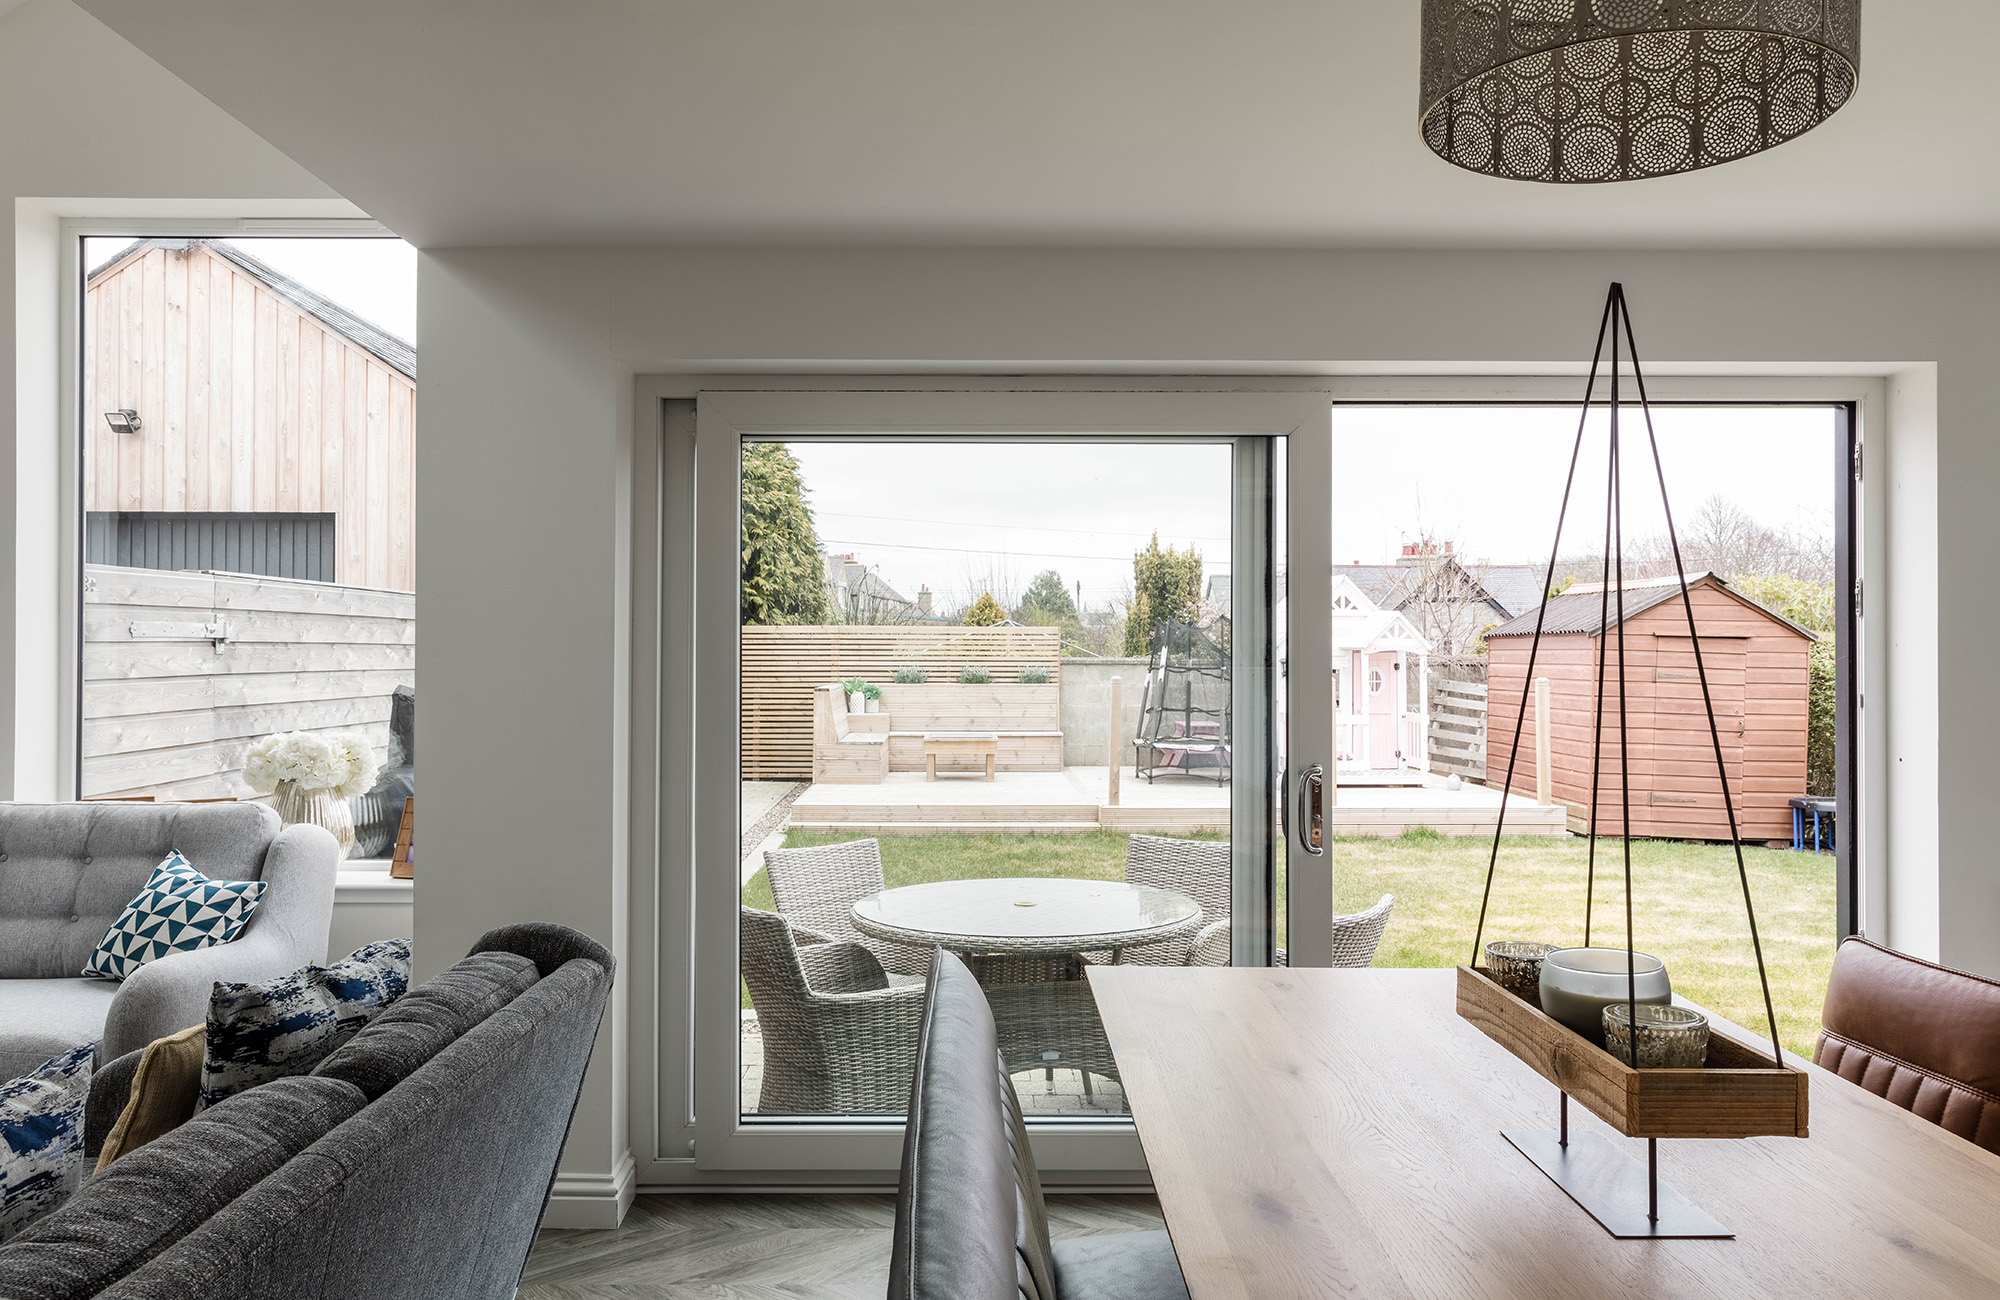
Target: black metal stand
1626,1197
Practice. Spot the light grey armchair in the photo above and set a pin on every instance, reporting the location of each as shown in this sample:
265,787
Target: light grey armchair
818,888
839,1038
1200,869
68,870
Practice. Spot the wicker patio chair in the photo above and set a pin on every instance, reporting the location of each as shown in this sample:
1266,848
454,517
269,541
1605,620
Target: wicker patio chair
1355,939
818,888
839,1038
1197,868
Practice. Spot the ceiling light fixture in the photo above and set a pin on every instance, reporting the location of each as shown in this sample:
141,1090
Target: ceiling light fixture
124,420
1583,91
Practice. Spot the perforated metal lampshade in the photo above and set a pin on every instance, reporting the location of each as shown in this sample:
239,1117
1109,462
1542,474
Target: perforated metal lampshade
1582,91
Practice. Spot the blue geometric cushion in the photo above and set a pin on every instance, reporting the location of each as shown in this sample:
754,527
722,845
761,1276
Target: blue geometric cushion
179,910
261,1032
41,1138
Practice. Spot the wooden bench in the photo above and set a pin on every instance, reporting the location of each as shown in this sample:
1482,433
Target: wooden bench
848,749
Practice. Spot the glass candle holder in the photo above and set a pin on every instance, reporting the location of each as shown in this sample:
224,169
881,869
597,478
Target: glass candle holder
1516,964
1578,983
1670,1037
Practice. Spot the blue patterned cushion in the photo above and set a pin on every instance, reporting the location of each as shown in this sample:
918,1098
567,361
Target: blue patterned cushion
41,1138
179,909
261,1032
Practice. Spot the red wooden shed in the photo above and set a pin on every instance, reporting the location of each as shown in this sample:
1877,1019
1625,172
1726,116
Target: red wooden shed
1756,665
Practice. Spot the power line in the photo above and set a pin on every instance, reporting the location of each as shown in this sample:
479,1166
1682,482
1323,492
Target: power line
1037,528
981,550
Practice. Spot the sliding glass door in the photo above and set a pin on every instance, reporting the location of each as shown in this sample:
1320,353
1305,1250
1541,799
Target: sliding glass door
1001,675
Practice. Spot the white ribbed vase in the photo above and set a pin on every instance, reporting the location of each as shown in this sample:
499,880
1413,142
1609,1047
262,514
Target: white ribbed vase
322,808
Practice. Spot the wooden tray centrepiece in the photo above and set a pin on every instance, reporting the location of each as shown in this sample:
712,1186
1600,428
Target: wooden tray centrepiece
1738,1094
1740,1091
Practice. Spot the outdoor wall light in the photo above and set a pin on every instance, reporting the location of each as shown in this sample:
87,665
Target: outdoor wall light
124,420
1582,91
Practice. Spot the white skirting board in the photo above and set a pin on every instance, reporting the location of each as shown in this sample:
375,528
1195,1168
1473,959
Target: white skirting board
588,1200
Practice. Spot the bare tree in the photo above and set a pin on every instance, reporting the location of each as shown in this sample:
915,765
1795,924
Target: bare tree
986,575
1441,595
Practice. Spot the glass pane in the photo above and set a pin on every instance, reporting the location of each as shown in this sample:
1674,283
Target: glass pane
1443,523
987,706
249,443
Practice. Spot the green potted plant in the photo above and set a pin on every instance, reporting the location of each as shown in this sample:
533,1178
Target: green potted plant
974,675
856,690
1034,675
910,675
873,695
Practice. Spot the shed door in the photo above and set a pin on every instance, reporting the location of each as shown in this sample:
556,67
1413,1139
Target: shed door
1685,801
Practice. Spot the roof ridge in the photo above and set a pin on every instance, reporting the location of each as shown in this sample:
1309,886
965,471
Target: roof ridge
396,352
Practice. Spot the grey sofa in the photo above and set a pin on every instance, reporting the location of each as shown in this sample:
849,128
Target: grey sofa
970,1219
414,1162
68,869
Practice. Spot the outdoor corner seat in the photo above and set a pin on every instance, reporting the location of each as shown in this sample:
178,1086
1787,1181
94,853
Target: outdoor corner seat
67,870
1923,1036
970,1219
839,1036
414,1163
1200,869
816,889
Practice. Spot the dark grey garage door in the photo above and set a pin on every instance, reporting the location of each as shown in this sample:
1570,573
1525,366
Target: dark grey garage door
274,545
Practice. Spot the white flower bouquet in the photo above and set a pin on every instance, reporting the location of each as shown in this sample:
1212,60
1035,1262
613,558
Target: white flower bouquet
340,763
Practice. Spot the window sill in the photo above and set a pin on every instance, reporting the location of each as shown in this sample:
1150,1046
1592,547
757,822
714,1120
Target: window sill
367,880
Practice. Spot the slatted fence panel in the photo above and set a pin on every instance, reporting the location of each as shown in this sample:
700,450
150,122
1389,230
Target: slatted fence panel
1458,729
782,666
165,714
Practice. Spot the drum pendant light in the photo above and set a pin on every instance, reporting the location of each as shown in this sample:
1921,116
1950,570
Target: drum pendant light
1584,91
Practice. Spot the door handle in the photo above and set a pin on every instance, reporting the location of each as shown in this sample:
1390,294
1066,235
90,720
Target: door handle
1312,819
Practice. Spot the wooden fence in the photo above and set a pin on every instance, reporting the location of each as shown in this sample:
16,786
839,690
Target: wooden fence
782,665
183,671
1458,728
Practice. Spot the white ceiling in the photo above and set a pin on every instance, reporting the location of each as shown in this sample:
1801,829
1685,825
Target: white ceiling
1216,122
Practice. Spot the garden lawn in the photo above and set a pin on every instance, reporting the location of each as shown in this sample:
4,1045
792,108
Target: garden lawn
1687,902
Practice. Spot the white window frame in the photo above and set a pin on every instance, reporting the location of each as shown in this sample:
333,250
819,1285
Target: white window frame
673,812
724,1146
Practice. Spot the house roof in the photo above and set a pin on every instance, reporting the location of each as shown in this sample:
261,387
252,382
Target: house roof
399,354
1578,609
871,586
1510,588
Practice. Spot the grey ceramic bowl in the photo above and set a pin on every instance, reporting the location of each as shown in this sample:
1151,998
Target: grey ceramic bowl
1578,983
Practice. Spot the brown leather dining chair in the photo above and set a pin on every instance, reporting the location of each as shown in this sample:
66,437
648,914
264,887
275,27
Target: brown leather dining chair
1922,1035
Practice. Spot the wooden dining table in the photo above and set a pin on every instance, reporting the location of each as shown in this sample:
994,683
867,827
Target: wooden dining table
1338,1133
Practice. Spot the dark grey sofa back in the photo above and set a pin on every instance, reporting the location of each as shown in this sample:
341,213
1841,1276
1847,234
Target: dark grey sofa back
970,1222
68,870
434,1189
152,1198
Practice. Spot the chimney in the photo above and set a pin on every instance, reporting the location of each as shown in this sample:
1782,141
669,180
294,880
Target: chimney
924,601
854,575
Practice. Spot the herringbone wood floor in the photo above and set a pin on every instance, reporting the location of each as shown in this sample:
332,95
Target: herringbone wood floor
727,1247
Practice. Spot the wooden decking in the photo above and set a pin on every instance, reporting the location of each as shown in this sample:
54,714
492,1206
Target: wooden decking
1073,801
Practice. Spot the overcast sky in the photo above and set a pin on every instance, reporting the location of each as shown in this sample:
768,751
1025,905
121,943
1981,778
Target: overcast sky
943,514
376,279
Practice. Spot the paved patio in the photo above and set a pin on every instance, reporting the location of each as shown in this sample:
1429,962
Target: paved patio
1076,800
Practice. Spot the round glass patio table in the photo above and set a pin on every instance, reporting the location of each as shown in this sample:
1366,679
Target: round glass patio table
1027,917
